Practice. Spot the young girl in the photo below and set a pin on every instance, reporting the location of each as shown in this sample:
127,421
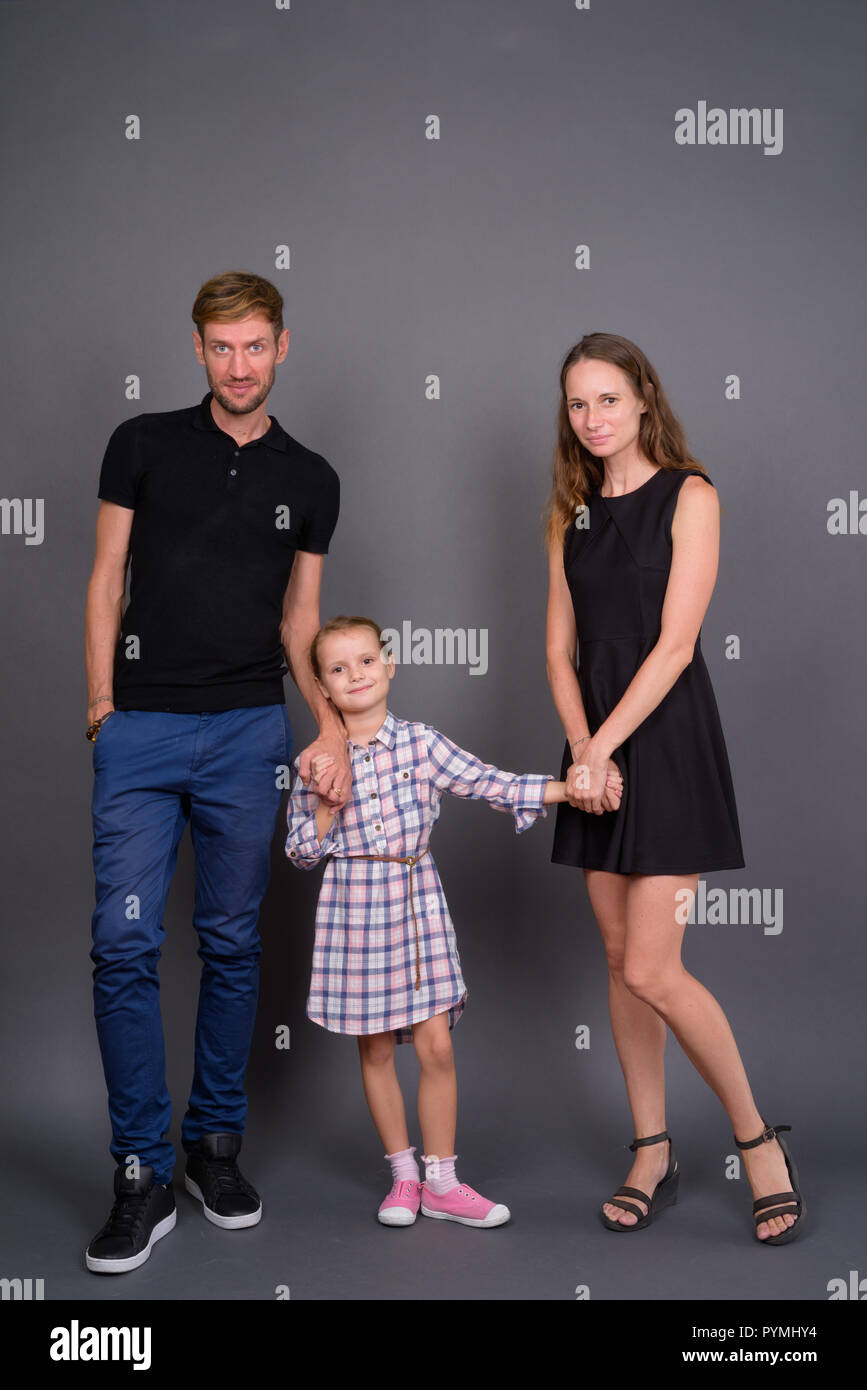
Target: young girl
385,961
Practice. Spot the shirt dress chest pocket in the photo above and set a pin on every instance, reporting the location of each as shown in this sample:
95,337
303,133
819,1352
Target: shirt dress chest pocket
409,794
405,788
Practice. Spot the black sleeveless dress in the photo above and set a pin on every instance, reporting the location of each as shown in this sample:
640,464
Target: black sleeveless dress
677,814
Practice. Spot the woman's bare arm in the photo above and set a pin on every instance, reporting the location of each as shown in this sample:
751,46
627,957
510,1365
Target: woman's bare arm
561,646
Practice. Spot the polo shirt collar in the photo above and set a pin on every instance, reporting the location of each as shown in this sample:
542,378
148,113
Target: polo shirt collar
275,437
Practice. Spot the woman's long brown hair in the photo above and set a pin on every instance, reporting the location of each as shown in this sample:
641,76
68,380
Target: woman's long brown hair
661,436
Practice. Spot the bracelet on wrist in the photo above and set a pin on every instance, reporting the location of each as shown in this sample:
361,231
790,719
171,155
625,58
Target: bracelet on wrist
93,729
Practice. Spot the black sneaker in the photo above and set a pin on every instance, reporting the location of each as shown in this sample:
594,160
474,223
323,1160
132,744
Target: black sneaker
143,1212
214,1177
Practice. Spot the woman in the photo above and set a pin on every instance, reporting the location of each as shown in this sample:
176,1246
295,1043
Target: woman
633,542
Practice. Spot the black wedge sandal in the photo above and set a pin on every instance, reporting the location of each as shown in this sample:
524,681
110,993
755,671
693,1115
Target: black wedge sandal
778,1203
664,1194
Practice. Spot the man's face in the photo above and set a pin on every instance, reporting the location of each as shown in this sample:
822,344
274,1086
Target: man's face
239,359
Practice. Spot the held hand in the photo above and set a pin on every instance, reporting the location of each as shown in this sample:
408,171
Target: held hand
326,763
613,788
594,783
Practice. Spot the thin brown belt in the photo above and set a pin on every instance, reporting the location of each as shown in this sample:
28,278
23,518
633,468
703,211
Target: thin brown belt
411,860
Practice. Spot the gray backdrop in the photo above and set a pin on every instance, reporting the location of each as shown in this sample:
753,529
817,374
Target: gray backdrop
264,127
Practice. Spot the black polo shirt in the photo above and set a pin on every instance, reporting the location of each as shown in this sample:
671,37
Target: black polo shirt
214,536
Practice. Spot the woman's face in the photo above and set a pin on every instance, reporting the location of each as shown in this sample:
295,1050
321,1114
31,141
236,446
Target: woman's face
604,409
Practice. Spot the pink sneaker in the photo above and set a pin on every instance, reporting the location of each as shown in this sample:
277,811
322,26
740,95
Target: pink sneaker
400,1207
465,1205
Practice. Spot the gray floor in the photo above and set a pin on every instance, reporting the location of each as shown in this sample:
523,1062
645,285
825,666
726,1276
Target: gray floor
543,1127
319,1235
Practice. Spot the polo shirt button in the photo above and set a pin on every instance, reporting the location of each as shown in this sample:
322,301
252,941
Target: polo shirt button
373,796
233,472
377,827
367,757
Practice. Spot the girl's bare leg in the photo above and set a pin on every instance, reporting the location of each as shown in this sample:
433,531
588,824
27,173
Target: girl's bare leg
382,1090
437,1085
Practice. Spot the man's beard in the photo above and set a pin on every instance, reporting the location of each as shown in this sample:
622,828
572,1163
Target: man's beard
245,404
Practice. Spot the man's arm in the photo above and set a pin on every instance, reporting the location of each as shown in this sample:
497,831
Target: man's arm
104,607
298,627
309,822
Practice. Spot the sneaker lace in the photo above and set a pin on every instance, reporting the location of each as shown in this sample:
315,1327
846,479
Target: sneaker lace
225,1175
127,1213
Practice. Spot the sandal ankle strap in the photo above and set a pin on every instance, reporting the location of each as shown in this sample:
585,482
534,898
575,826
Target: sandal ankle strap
768,1133
651,1139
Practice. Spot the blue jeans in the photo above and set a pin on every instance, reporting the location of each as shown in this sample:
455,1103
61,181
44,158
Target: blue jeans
153,772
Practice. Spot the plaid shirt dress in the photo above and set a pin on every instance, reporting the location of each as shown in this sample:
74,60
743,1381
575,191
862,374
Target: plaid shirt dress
385,955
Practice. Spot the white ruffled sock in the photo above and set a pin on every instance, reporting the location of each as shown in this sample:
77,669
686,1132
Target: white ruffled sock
439,1173
403,1166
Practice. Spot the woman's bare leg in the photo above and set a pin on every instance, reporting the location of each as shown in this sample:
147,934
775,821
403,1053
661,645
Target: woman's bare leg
654,972
382,1090
639,1037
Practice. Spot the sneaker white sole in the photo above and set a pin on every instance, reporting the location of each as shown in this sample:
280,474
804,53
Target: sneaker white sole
497,1216
396,1216
227,1223
161,1229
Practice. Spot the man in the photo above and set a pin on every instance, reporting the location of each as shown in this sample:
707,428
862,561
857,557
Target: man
224,520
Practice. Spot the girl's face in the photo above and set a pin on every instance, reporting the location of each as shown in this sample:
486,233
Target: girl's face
604,409
354,675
